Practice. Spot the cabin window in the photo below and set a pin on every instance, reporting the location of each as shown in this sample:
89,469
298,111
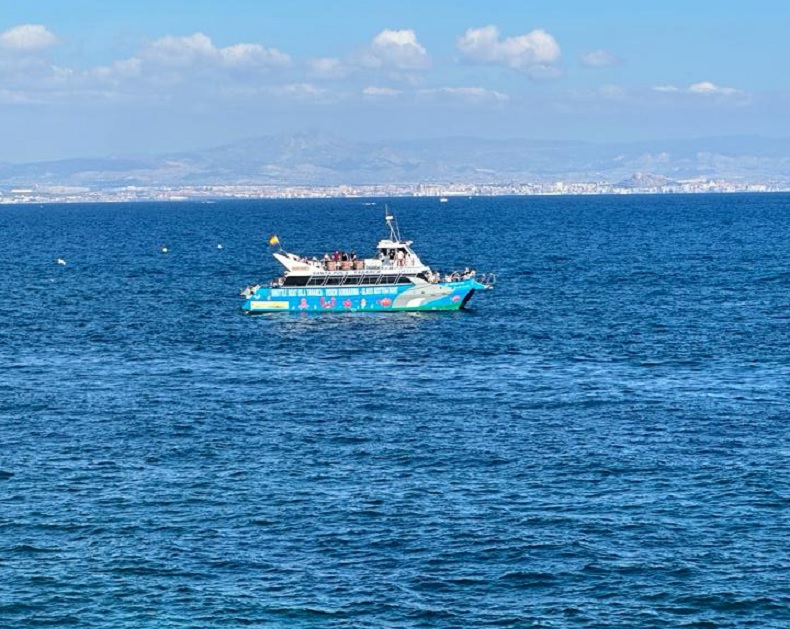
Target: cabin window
295,280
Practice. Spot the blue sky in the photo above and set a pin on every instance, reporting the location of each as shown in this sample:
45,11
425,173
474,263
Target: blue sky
90,78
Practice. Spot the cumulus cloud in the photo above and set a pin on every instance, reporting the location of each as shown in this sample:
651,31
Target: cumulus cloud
194,63
27,38
703,87
246,55
598,59
536,51
27,75
396,49
192,59
396,52
179,51
198,49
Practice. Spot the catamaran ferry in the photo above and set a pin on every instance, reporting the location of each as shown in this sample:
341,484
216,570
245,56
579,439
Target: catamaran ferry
394,280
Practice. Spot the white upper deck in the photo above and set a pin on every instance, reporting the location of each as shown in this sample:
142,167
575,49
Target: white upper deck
393,255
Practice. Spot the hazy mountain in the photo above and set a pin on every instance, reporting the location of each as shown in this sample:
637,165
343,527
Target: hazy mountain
319,159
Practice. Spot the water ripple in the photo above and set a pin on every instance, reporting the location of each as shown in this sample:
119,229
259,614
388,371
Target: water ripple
599,442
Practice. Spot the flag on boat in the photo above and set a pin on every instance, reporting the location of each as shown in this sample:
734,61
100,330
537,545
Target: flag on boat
274,240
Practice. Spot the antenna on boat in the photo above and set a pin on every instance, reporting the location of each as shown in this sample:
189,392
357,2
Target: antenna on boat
392,224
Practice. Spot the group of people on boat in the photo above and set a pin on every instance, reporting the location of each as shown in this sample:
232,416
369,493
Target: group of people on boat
395,257
249,291
342,260
455,276
340,256
339,260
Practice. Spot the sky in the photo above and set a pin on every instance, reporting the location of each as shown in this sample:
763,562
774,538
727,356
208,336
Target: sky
90,78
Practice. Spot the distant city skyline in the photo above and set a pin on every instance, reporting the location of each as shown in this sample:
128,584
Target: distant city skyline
88,78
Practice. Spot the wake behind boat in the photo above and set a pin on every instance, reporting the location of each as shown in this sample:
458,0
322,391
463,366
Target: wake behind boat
394,280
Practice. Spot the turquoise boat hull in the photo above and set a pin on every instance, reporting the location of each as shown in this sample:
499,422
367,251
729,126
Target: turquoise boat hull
388,298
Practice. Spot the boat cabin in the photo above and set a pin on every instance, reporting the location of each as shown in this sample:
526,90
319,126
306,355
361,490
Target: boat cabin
395,263
397,253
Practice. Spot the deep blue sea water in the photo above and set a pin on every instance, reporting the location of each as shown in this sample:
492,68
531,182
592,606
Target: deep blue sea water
601,441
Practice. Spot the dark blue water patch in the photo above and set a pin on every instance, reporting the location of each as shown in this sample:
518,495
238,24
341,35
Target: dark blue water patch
600,441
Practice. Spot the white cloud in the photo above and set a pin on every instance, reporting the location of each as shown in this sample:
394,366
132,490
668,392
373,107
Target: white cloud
535,51
706,87
397,49
598,59
396,52
467,94
253,55
192,60
703,87
27,38
198,49
190,68
179,51
443,95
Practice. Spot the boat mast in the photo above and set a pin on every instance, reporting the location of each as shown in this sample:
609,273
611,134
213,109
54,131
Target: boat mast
392,224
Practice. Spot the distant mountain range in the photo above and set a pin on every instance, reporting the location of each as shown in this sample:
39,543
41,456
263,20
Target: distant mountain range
317,159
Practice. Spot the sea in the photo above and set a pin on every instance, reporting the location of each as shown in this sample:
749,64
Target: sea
603,440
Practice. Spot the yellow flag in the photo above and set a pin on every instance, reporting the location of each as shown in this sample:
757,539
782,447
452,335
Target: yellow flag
274,240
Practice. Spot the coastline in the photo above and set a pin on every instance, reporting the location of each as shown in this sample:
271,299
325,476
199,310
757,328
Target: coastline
211,193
